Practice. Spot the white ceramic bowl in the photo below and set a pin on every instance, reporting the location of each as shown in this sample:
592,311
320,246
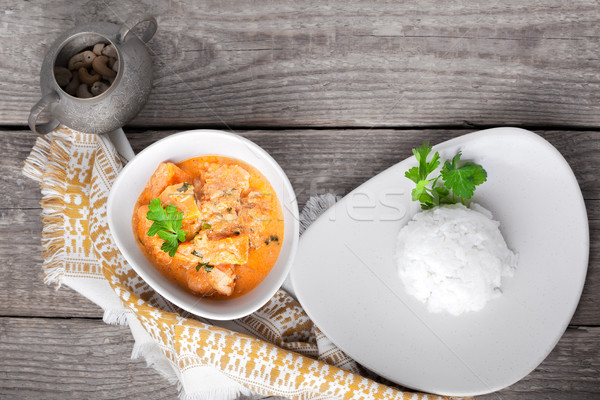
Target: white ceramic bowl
181,146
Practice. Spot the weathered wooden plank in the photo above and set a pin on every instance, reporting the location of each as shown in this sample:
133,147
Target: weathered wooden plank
339,63
57,359
81,358
22,290
318,161
571,371
17,191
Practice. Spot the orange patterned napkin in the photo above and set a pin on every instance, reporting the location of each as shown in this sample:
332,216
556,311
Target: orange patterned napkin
275,351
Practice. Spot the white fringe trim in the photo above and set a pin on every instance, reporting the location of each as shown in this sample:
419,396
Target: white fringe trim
154,358
54,275
315,206
37,159
115,317
151,353
217,394
47,164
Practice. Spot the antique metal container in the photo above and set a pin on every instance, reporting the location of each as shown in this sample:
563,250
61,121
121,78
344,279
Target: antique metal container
124,98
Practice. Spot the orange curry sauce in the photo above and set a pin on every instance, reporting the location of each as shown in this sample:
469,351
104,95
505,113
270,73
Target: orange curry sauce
232,219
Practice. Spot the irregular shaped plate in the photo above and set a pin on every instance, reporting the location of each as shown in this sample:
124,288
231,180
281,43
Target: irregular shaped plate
345,275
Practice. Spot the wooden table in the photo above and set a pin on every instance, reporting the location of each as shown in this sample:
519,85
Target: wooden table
336,92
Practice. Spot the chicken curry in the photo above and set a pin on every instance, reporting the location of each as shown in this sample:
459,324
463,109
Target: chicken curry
211,224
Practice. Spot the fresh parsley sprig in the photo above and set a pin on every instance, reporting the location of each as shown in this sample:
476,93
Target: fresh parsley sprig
167,225
459,179
207,267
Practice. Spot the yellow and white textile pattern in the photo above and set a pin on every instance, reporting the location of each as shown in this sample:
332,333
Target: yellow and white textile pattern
275,351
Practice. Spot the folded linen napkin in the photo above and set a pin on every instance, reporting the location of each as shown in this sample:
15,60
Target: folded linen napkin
275,351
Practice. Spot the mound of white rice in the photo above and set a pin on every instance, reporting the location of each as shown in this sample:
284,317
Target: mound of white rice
453,258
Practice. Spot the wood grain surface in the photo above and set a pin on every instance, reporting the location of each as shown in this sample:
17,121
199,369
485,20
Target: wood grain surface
317,161
337,63
73,358
84,358
337,92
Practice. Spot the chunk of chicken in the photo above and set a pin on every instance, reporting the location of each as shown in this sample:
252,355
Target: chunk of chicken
185,255
204,281
222,215
221,229
256,216
166,174
197,282
222,278
231,250
220,198
202,277
182,196
224,180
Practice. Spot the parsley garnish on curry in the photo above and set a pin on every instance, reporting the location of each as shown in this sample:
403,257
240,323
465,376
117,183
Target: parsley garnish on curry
212,224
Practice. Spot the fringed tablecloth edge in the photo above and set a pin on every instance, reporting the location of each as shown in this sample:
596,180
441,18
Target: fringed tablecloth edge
47,165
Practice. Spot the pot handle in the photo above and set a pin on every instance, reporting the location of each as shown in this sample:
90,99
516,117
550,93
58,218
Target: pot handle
36,110
135,21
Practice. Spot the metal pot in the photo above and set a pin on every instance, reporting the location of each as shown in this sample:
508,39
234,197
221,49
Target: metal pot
125,97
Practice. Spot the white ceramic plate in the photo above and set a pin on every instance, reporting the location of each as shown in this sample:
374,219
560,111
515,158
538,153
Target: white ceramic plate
132,180
345,275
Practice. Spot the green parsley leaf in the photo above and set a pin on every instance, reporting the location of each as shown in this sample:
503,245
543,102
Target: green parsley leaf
194,252
272,238
167,225
207,267
425,168
459,180
419,190
441,195
413,174
184,187
462,180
